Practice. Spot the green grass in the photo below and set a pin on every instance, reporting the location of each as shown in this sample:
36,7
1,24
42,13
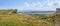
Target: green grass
15,19
22,20
11,20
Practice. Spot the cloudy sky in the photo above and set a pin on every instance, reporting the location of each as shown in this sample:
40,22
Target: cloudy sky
38,5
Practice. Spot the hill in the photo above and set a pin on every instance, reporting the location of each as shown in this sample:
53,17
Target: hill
15,19
9,11
22,20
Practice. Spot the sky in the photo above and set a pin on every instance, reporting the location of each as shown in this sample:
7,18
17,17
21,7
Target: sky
37,5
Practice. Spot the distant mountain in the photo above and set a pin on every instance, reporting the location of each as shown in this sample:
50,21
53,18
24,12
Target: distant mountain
37,12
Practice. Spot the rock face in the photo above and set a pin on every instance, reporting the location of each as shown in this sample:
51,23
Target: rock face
58,11
8,11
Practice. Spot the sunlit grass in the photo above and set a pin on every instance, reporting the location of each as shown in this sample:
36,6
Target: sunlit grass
22,20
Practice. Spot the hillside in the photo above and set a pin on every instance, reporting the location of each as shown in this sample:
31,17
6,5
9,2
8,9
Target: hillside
24,20
9,11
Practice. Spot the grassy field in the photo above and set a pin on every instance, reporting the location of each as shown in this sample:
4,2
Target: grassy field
22,20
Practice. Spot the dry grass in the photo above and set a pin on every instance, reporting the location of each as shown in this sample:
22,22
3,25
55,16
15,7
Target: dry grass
22,20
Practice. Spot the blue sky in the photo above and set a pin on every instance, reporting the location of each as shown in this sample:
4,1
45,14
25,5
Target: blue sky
38,5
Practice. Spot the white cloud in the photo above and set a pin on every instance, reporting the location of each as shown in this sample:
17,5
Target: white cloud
25,7
26,4
39,6
33,4
59,3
